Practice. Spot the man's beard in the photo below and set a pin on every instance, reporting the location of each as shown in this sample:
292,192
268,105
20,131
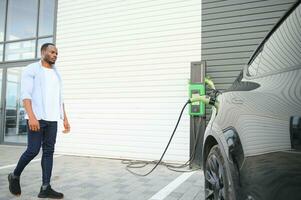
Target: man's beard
50,62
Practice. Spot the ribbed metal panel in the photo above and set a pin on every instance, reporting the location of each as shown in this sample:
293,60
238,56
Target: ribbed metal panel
125,67
231,31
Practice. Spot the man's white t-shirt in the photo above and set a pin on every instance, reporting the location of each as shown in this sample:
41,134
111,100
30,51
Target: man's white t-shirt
52,94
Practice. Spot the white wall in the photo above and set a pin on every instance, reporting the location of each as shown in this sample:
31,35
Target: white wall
125,66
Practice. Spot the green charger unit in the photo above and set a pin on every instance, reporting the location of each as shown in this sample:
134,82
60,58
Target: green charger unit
196,108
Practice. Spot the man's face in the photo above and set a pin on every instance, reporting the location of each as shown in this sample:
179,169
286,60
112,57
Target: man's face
50,54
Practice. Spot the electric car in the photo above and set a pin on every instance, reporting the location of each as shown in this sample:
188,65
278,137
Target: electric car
252,143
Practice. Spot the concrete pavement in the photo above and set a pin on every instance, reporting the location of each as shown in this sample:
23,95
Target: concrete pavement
89,178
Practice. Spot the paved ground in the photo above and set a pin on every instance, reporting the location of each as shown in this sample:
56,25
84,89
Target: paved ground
86,178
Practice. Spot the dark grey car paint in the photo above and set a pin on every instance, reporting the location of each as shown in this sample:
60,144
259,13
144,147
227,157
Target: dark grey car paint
260,109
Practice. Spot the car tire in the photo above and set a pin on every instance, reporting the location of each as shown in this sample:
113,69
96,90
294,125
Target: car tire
218,184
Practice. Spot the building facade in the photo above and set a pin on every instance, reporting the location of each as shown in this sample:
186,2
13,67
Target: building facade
24,27
126,65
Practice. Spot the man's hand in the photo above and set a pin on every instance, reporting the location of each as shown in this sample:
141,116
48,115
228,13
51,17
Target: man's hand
66,126
34,124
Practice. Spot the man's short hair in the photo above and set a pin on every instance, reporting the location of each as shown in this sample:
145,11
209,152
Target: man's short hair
45,45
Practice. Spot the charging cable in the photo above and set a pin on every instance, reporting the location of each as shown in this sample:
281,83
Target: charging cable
131,164
209,100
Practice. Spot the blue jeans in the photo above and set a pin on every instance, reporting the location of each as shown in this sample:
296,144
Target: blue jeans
46,138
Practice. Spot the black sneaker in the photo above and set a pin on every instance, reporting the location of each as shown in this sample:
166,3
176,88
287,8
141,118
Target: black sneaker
50,193
14,184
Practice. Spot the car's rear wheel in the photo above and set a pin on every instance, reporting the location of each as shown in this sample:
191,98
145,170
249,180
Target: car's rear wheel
217,185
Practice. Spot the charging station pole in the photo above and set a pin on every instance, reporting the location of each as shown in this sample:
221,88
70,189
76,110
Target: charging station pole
197,122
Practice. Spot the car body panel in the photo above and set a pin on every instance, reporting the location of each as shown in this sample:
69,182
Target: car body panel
259,108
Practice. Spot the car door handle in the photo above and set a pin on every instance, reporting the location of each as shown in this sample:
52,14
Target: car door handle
236,100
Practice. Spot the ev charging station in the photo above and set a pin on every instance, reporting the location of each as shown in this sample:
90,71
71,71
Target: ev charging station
197,101
197,112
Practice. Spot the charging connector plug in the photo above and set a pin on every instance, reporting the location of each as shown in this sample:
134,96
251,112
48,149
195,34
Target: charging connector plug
208,100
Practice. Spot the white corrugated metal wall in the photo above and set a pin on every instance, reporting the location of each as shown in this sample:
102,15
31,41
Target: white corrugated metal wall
125,67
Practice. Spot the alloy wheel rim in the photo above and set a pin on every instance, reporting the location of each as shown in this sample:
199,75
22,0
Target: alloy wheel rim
214,179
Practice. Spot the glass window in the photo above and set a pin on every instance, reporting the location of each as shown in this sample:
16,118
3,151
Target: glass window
21,19
20,50
1,52
2,19
283,49
41,42
11,96
15,122
46,20
0,84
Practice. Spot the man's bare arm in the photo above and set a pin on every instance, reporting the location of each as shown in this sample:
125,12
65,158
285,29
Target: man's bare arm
33,123
66,123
